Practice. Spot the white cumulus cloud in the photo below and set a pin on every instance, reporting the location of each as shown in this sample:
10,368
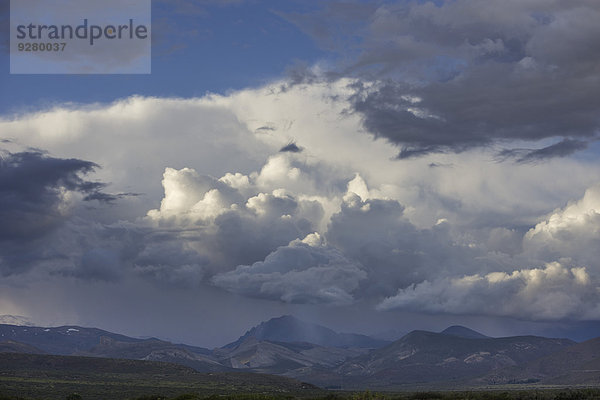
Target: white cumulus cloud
553,292
305,271
573,231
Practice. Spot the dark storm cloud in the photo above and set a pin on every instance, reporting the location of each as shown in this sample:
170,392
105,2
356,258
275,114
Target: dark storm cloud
31,185
563,148
481,110
99,264
108,197
290,148
463,74
33,192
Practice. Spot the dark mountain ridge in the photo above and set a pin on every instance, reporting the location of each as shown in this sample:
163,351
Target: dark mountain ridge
428,357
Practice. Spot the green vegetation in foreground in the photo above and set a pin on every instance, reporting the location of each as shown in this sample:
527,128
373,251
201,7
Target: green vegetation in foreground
547,394
31,376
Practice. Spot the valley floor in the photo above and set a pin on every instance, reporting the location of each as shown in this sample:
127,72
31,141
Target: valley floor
53,390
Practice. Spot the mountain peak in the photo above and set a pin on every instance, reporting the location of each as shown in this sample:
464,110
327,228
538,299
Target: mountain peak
463,332
290,329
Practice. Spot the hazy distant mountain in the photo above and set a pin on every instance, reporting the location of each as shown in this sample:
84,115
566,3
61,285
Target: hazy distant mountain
390,335
64,340
463,332
157,350
575,365
76,340
10,346
289,329
435,357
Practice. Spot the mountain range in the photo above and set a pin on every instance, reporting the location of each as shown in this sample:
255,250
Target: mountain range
456,357
428,357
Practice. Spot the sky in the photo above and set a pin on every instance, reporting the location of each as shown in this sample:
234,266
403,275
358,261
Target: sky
375,167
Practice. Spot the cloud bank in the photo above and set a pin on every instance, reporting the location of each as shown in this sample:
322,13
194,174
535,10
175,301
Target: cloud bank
343,223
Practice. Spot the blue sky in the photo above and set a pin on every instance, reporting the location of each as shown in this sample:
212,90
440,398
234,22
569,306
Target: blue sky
197,49
417,164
